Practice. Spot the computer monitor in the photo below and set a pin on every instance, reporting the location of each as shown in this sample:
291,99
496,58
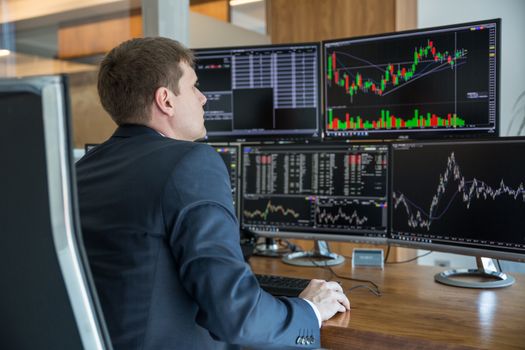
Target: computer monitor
438,82
465,197
230,157
261,92
323,192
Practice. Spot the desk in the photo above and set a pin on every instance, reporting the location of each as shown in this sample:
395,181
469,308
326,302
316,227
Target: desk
415,312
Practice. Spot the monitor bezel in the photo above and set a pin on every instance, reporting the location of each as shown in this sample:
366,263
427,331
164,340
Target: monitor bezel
495,253
238,178
406,134
353,237
284,137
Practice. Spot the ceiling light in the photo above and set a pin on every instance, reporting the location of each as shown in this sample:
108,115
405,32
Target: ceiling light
242,2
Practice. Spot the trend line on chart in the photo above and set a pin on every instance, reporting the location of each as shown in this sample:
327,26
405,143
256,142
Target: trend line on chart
467,190
326,217
270,208
390,77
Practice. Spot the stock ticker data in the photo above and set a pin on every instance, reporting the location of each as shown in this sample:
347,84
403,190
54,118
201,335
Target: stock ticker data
318,189
260,92
462,193
413,84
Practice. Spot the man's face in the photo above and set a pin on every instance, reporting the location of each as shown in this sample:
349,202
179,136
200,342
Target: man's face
188,115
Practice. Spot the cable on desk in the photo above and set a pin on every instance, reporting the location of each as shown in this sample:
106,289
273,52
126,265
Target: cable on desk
409,260
293,247
376,291
372,290
404,261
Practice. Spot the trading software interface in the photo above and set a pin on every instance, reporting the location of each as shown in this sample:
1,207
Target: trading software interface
259,92
469,194
319,189
439,82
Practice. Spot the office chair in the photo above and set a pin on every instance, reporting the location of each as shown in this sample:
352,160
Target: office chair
47,297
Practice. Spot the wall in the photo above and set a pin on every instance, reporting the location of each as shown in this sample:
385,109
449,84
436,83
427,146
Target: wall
512,13
210,32
38,41
313,20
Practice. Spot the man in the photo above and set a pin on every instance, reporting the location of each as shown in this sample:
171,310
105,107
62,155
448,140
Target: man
159,225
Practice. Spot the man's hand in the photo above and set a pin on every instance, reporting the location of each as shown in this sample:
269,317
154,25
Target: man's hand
328,297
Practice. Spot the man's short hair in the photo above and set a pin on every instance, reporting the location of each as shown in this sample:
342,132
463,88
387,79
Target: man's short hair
130,74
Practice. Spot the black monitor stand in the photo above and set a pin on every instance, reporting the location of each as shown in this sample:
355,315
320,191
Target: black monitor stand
270,248
319,256
475,278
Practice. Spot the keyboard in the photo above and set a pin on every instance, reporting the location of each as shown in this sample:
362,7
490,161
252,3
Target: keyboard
282,286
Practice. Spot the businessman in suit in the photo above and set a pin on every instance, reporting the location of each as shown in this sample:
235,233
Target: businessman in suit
159,225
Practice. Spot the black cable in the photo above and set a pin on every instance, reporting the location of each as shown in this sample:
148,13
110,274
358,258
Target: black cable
372,290
376,291
409,260
293,247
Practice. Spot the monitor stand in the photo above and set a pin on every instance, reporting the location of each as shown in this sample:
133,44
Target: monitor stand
483,278
270,248
320,256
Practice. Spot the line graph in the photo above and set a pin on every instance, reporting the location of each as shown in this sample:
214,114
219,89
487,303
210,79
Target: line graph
350,213
452,187
325,217
270,209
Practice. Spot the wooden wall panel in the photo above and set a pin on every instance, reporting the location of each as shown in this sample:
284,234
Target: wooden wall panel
315,20
218,9
406,14
98,36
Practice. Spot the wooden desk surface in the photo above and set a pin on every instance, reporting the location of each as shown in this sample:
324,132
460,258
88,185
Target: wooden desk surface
414,312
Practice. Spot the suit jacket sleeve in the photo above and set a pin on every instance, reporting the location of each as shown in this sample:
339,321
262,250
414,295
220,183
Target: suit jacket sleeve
204,238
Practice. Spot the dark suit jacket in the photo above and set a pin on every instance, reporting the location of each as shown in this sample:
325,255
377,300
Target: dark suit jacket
163,245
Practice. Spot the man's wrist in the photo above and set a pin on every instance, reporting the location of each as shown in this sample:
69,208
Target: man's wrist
316,310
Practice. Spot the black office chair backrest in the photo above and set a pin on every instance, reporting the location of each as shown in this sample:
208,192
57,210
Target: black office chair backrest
47,297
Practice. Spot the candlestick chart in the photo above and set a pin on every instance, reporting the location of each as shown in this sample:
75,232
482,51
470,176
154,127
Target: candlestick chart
435,81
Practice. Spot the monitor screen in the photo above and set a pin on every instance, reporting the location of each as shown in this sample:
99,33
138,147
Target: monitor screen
332,192
230,156
427,83
260,92
465,196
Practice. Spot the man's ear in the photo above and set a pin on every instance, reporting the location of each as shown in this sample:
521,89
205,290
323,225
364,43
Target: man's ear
163,100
